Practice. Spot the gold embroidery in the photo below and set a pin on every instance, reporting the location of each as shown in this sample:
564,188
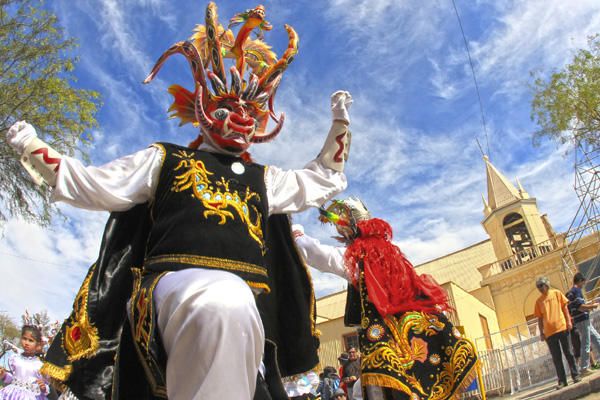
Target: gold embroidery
216,196
55,372
374,379
459,366
81,337
400,354
142,327
208,262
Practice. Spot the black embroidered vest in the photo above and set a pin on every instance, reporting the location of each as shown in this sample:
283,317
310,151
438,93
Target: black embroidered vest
209,211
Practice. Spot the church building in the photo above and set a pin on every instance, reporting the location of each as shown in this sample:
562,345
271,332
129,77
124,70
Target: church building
491,284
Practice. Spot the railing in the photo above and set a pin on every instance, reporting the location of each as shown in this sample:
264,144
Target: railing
524,256
522,361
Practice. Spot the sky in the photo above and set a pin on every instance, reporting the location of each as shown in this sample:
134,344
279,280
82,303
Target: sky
415,119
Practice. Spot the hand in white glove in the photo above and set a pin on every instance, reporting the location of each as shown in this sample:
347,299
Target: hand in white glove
297,230
19,135
340,103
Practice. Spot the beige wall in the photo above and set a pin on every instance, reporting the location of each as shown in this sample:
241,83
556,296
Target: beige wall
468,310
514,291
332,341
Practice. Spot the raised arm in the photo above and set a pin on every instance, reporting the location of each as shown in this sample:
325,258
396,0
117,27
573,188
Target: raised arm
322,257
321,179
116,186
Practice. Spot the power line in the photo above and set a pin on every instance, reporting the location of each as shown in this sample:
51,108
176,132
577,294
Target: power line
462,31
38,261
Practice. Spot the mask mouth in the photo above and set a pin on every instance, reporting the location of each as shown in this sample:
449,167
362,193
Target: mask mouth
239,129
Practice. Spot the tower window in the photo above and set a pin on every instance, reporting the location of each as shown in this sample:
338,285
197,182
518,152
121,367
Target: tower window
518,237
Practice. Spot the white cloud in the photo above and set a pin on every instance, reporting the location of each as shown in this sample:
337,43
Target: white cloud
45,267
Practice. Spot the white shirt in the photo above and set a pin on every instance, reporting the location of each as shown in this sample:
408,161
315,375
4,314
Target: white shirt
322,257
121,184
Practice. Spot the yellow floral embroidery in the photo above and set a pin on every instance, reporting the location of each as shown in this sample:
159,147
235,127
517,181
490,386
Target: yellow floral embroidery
216,197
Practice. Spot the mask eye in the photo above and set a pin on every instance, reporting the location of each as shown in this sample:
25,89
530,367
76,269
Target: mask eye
220,113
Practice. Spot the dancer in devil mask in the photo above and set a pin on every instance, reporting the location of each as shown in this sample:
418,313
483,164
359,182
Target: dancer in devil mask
204,230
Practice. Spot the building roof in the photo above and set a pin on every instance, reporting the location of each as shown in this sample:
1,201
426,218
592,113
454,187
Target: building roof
331,307
461,266
500,190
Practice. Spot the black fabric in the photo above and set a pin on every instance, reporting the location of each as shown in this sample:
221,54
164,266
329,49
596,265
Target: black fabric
130,381
352,313
202,207
288,312
108,289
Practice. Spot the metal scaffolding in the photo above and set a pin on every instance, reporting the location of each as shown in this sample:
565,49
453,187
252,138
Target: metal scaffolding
585,224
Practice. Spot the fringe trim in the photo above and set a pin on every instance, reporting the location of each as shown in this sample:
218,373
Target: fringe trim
466,382
60,374
382,380
389,382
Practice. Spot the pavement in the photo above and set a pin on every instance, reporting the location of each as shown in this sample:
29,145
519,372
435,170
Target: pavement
588,385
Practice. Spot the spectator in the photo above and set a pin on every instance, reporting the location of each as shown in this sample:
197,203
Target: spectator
330,382
343,360
580,310
555,323
351,370
340,395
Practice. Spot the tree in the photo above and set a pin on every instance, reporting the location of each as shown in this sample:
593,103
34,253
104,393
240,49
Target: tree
36,85
8,329
567,106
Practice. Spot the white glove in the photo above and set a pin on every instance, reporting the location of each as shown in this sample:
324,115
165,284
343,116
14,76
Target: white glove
297,230
19,135
340,103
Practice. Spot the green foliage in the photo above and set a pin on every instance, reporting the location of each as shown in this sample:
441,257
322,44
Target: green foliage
36,85
567,106
8,329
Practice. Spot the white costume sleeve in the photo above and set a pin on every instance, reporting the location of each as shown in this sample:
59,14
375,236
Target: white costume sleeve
297,190
116,186
322,257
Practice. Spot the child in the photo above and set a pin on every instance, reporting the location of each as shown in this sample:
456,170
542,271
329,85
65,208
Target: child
25,381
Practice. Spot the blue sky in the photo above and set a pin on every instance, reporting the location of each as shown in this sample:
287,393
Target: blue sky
414,159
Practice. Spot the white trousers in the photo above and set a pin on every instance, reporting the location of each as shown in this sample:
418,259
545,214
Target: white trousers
212,333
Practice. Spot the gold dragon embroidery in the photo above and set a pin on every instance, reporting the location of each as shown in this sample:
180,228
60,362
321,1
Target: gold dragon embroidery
400,354
216,197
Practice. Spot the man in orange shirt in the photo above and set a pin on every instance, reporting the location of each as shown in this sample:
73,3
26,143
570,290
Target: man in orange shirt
555,323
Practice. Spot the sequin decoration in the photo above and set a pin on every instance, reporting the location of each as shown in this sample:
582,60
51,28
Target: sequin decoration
375,332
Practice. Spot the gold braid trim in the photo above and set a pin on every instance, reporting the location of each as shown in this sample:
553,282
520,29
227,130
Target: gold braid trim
162,162
383,380
80,338
60,374
208,262
257,285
